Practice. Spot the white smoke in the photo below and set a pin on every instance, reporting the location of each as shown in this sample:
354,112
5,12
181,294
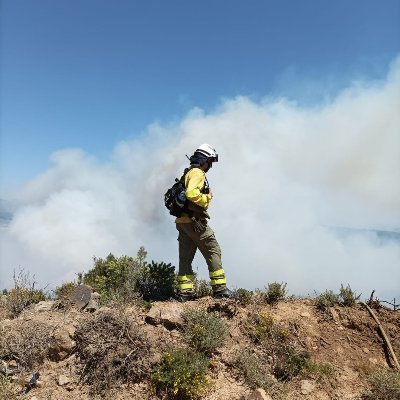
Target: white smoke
287,176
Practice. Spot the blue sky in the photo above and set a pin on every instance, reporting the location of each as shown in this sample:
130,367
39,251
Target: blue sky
101,100
90,73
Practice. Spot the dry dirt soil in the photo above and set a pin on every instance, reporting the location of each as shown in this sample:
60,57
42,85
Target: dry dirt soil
347,338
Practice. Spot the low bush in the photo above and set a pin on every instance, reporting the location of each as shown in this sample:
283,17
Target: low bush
124,279
257,375
385,385
65,290
319,370
347,296
204,331
23,294
112,277
26,342
243,296
156,281
275,341
288,361
261,326
275,292
111,351
326,300
181,374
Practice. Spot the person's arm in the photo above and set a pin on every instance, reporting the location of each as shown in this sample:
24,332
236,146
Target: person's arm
194,182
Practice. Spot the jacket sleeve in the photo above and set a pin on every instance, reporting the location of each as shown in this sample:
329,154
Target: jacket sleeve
194,182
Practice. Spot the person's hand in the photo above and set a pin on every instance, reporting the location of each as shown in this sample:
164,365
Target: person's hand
210,194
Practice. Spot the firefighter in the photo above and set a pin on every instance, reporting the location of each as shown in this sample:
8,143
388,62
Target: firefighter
194,231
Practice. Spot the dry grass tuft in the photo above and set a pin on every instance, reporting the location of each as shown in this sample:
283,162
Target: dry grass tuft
26,342
8,390
111,351
385,385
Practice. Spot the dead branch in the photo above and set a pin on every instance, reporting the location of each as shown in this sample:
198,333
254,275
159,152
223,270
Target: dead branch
387,341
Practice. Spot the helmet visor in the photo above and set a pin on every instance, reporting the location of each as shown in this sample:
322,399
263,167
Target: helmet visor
214,159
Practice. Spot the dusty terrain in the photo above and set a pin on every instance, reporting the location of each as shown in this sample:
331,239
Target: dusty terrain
346,338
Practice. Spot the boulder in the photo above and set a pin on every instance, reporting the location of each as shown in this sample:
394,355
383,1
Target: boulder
80,296
62,344
167,314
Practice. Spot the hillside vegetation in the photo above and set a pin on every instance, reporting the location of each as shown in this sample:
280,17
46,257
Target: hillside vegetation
118,333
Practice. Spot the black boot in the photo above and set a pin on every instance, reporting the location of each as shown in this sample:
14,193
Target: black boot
185,296
222,294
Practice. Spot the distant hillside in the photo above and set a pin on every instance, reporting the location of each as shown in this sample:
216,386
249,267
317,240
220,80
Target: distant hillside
6,212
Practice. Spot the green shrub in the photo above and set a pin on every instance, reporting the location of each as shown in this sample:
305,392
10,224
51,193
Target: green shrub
347,296
123,279
289,362
319,370
156,281
243,296
256,374
111,275
65,290
181,374
326,300
203,331
275,292
385,385
261,327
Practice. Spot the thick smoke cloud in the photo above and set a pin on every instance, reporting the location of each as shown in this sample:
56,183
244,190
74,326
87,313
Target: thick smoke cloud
289,179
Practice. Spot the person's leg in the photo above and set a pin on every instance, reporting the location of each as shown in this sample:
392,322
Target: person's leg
211,251
187,251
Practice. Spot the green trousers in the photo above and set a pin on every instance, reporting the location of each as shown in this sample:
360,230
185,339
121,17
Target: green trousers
206,242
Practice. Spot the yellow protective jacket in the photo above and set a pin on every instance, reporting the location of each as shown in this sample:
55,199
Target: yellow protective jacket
195,183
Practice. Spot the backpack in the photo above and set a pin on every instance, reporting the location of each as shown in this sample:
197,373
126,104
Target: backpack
175,199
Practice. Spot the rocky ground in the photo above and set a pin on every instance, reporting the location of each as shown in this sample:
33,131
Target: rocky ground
345,338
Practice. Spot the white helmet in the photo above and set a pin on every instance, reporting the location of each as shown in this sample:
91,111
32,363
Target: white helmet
208,151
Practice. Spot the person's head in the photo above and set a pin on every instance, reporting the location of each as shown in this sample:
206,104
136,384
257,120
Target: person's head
203,157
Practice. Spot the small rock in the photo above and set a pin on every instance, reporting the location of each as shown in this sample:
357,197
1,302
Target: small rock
365,350
3,367
94,301
259,394
305,314
168,314
34,398
306,387
63,380
62,344
43,306
373,360
12,364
